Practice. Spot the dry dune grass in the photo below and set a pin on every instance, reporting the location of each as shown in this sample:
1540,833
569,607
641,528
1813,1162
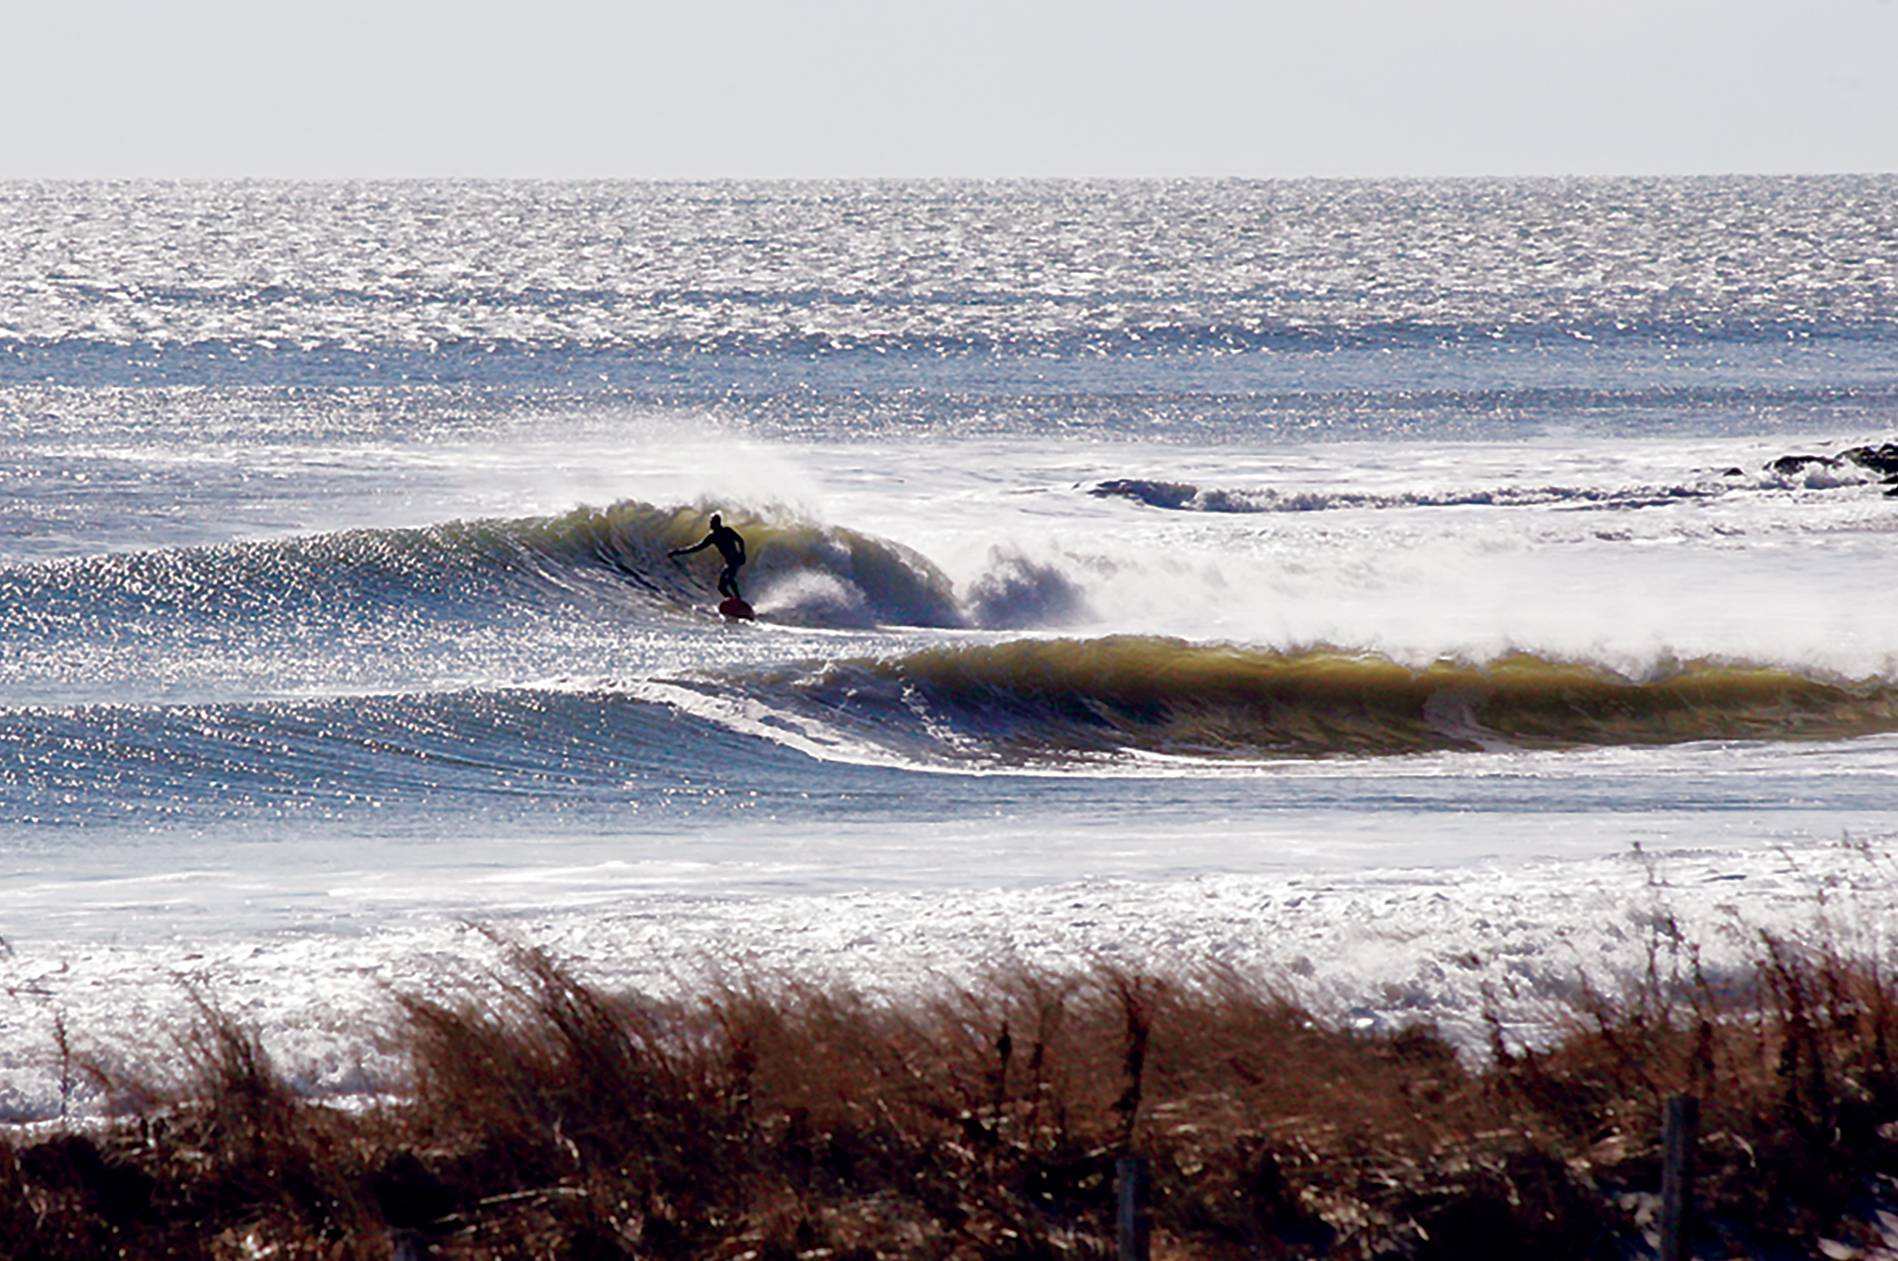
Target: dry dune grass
547,1118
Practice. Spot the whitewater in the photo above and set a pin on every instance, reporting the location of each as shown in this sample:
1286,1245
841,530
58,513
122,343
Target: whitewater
1400,587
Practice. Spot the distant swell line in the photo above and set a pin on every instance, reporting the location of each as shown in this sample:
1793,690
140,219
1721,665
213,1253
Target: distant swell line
1191,497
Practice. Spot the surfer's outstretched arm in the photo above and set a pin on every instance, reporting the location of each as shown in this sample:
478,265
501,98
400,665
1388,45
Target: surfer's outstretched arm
699,546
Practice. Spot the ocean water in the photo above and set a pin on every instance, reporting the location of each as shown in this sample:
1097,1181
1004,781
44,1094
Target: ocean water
1379,583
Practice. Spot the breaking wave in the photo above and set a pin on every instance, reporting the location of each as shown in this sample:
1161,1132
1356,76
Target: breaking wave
798,570
585,751
590,559
1042,699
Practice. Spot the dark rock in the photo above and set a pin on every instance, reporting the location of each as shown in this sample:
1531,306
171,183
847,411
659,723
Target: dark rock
1734,472
1153,494
1879,459
1788,465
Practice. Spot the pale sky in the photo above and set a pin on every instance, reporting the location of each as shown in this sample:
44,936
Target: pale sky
775,88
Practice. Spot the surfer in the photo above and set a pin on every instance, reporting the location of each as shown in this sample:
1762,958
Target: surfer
731,545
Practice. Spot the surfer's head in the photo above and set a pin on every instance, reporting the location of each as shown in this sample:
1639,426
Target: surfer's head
714,520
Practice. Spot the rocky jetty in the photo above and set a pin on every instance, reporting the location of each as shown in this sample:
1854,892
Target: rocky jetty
1881,459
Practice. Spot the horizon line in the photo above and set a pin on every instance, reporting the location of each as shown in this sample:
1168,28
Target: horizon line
1394,177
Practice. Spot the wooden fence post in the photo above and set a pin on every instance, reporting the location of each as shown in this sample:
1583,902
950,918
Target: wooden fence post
1678,1134
1135,1226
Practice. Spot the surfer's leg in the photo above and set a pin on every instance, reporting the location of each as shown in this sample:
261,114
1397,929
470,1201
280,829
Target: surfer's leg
728,582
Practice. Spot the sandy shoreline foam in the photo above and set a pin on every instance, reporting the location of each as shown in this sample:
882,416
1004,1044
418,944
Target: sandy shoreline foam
1375,948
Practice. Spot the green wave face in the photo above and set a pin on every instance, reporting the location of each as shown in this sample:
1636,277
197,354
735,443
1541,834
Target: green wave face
1061,697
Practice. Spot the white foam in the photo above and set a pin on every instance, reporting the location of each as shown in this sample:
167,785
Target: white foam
1378,947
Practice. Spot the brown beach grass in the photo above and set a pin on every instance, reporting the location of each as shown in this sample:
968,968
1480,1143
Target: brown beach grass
545,1117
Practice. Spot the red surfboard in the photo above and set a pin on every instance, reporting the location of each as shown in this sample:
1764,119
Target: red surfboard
734,607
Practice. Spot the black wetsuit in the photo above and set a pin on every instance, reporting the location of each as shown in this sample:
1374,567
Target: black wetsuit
731,545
